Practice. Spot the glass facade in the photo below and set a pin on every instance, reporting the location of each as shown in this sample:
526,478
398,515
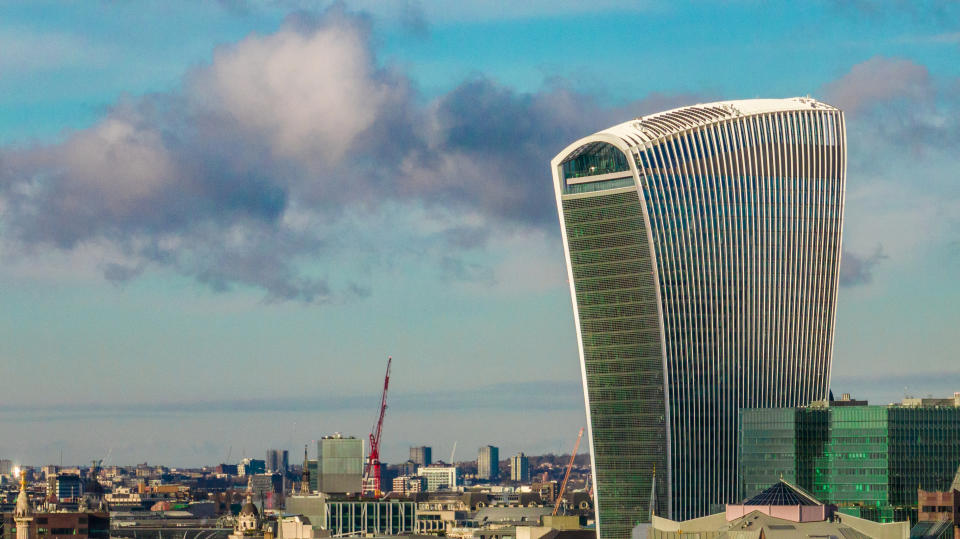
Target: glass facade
703,249
871,458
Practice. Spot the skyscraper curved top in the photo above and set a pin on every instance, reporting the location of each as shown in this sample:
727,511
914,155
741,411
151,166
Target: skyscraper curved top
703,253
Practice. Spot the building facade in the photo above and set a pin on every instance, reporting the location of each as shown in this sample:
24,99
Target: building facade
422,455
703,250
251,466
278,460
440,477
488,463
868,460
520,468
340,464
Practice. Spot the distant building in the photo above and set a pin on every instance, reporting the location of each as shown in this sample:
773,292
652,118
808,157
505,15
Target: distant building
313,469
340,468
488,463
409,484
408,468
6,466
422,455
227,469
440,477
278,460
520,468
251,467
69,487
868,460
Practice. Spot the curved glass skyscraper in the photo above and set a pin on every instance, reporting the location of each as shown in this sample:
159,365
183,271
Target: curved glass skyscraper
703,250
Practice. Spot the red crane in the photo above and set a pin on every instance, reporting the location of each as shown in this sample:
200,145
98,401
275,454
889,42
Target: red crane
371,475
566,476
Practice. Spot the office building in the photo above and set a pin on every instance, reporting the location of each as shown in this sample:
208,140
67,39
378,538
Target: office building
440,477
340,464
422,455
870,461
6,467
358,518
69,487
520,468
703,250
278,460
488,463
251,467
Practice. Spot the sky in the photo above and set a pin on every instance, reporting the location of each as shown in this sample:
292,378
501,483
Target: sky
218,219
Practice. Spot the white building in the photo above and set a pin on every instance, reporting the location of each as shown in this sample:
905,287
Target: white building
440,477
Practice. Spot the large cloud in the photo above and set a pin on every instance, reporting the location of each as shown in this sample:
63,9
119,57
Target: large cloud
244,175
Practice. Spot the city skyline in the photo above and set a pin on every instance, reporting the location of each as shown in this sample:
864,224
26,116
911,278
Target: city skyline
187,246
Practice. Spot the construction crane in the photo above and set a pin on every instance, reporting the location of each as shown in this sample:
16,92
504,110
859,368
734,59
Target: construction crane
566,476
371,475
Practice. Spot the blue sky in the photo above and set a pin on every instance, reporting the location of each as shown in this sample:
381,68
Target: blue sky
217,219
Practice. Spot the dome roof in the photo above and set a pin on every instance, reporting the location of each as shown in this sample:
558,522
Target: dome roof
249,509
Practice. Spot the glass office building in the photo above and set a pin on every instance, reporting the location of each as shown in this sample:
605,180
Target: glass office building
868,458
703,249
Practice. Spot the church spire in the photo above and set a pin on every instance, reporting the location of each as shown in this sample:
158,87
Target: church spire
305,476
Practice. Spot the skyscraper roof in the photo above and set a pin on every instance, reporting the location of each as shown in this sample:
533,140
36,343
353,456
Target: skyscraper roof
783,493
652,127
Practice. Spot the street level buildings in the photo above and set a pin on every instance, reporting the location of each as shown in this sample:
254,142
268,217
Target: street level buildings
870,461
703,250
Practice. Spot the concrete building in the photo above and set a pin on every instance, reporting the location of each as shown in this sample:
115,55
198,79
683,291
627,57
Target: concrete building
781,511
422,455
488,463
340,464
440,477
278,461
697,290
6,467
520,468
868,460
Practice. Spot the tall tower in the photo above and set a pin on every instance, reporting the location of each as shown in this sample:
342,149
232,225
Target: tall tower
22,514
703,250
305,474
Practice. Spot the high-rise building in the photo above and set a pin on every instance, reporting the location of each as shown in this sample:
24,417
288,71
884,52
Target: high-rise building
488,463
519,468
867,459
422,455
6,467
340,464
703,250
278,460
